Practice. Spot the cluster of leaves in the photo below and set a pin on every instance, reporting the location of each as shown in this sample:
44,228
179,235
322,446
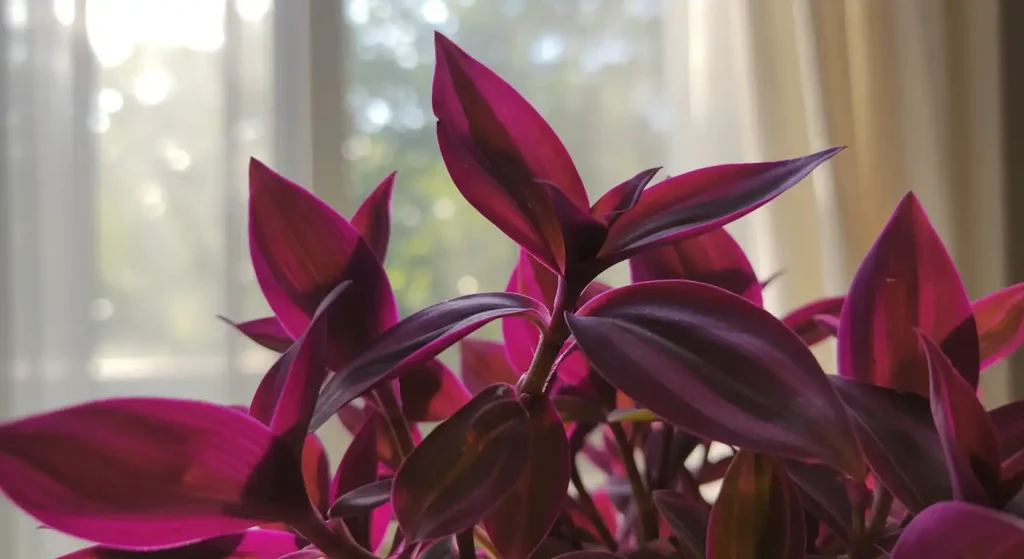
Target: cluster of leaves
895,456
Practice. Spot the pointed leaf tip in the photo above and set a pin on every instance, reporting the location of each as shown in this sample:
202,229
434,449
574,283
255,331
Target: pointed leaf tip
906,281
373,218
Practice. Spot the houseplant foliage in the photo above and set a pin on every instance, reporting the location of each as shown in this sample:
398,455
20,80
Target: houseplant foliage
894,456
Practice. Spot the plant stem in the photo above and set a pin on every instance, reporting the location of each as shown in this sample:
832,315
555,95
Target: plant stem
662,477
858,541
464,541
485,542
551,342
881,504
399,427
646,513
590,509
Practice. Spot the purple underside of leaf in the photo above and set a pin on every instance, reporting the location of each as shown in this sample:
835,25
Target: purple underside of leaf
717,366
967,434
464,467
757,514
1000,320
149,472
1008,422
483,364
689,204
906,282
713,257
417,338
302,249
899,441
961,530
373,218
266,332
522,519
431,392
250,544
688,520
823,493
358,467
362,499
802,320
622,197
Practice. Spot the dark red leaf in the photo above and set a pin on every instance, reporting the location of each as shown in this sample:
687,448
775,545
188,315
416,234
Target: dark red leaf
688,520
373,218
266,332
757,514
362,500
621,198
484,364
689,204
967,435
250,544
302,249
358,467
315,473
713,257
824,494
802,320
906,281
149,472
417,338
522,519
717,366
961,530
1000,320
431,392
464,467
899,441
1008,422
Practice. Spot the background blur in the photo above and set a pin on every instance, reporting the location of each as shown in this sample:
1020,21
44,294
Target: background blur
127,126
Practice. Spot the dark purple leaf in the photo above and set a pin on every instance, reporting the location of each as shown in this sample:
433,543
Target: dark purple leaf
713,257
362,500
522,519
689,204
149,472
757,514
417,338
899,441
961,530
464,467
589,554
266,332
823,493
431,392
250,544
358,467
802,320
717,366
967,435
301,250
906,282
484,363
1000,320
621,198
688,520
373,218
1008,422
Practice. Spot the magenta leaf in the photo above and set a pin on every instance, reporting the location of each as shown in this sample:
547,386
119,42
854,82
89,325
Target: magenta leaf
149,472
717,366
958,530
967,435
532,279
899,441
361,500
713,257
688,520
358,467
302,249
689,204
1000,320
250,544
757,514
431,392
501,153
522,519
373,218
906,281
621,198
803,319
417,338
464,467
266,332
483,364
315,474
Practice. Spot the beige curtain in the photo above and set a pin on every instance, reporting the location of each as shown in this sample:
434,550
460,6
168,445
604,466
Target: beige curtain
910,86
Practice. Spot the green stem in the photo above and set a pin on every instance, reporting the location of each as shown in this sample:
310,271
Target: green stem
590,509
646,513
551,342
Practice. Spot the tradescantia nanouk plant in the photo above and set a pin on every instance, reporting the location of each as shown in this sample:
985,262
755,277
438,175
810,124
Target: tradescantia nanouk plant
892,457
